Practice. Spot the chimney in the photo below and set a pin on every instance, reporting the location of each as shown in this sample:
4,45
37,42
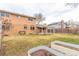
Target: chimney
62,26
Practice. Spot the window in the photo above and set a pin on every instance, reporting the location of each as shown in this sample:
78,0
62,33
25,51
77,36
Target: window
25,27
6,27
49,30
29,27
7,14
18,16
3,28
4,14
30,19
32,28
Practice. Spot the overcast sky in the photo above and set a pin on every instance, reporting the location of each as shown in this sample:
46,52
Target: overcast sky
52,11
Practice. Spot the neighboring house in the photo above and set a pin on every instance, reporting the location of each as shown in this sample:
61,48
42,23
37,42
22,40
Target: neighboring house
73,27
14,23
56,27
64,27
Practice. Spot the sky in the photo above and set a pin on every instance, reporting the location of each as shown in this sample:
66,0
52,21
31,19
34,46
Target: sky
53,12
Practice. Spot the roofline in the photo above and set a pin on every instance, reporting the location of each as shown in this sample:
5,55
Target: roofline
56,23
16,13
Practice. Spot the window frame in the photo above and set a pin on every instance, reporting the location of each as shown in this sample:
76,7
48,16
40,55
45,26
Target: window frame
4,14
25,27
30,19
18,16
32,28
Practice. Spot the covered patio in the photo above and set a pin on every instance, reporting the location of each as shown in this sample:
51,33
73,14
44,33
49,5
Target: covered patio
41,29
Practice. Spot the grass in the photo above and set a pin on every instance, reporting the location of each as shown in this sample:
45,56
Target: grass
19,45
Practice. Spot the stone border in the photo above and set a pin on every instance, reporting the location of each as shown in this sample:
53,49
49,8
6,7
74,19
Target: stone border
52,51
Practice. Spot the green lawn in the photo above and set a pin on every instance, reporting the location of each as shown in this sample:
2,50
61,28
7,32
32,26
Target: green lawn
19,45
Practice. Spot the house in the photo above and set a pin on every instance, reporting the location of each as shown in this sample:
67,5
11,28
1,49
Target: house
72,27
64,27
56,27
15,23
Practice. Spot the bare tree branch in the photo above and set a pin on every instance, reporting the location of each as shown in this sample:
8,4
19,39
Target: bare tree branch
39,18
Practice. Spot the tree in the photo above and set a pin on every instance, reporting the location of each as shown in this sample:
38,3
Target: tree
39,18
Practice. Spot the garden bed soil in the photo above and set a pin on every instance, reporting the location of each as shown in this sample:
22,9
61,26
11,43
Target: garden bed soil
42,53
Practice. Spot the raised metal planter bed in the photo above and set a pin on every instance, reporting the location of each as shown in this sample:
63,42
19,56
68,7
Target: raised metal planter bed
44,51
58,48
65,48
